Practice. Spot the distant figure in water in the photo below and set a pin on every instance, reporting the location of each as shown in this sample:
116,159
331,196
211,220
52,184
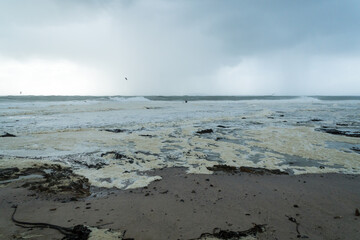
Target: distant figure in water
20,92
185,101
126,78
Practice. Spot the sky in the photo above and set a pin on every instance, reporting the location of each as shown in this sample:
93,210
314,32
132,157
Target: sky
187,47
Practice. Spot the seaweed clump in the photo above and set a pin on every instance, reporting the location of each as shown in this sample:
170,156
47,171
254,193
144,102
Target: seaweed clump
49,179
251,170
232,235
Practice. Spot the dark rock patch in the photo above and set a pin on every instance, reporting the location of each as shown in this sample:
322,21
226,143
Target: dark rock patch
355,149
116,130
8,135
316,120
342,124
205,131
334,131
146,135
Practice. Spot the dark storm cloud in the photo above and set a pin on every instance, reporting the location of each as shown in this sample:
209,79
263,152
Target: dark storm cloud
189,47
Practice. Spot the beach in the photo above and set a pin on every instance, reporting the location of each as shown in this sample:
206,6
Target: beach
160,168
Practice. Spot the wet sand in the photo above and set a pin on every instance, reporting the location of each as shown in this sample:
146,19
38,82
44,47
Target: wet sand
184,206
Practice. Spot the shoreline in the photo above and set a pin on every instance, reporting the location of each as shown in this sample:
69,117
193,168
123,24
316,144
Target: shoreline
185,206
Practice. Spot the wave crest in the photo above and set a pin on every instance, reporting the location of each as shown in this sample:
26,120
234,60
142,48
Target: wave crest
129,99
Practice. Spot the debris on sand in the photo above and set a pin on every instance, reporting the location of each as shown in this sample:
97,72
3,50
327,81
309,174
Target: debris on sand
262,171
223,168
219,234
205,131
252,170
8,135
291,219
357,212
6,173
50,179
78,232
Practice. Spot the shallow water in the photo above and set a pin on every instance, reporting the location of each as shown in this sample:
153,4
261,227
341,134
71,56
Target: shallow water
156,132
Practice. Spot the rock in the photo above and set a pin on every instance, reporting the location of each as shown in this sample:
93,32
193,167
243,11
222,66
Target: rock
347,133
355,149
205,131
8,135
316,120
357,212
116,130
221,126
146,135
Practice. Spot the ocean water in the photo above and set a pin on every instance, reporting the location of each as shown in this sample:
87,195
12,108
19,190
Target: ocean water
114,141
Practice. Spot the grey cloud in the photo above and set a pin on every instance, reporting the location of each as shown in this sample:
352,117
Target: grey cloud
177,47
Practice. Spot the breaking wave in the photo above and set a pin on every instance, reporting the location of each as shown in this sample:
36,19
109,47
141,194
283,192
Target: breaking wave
129,99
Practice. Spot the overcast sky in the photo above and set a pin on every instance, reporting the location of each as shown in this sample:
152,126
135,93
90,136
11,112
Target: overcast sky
180,47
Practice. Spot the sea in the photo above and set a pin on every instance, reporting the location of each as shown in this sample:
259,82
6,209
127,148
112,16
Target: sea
116,141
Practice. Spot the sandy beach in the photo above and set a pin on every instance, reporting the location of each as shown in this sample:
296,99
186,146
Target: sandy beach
186,206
